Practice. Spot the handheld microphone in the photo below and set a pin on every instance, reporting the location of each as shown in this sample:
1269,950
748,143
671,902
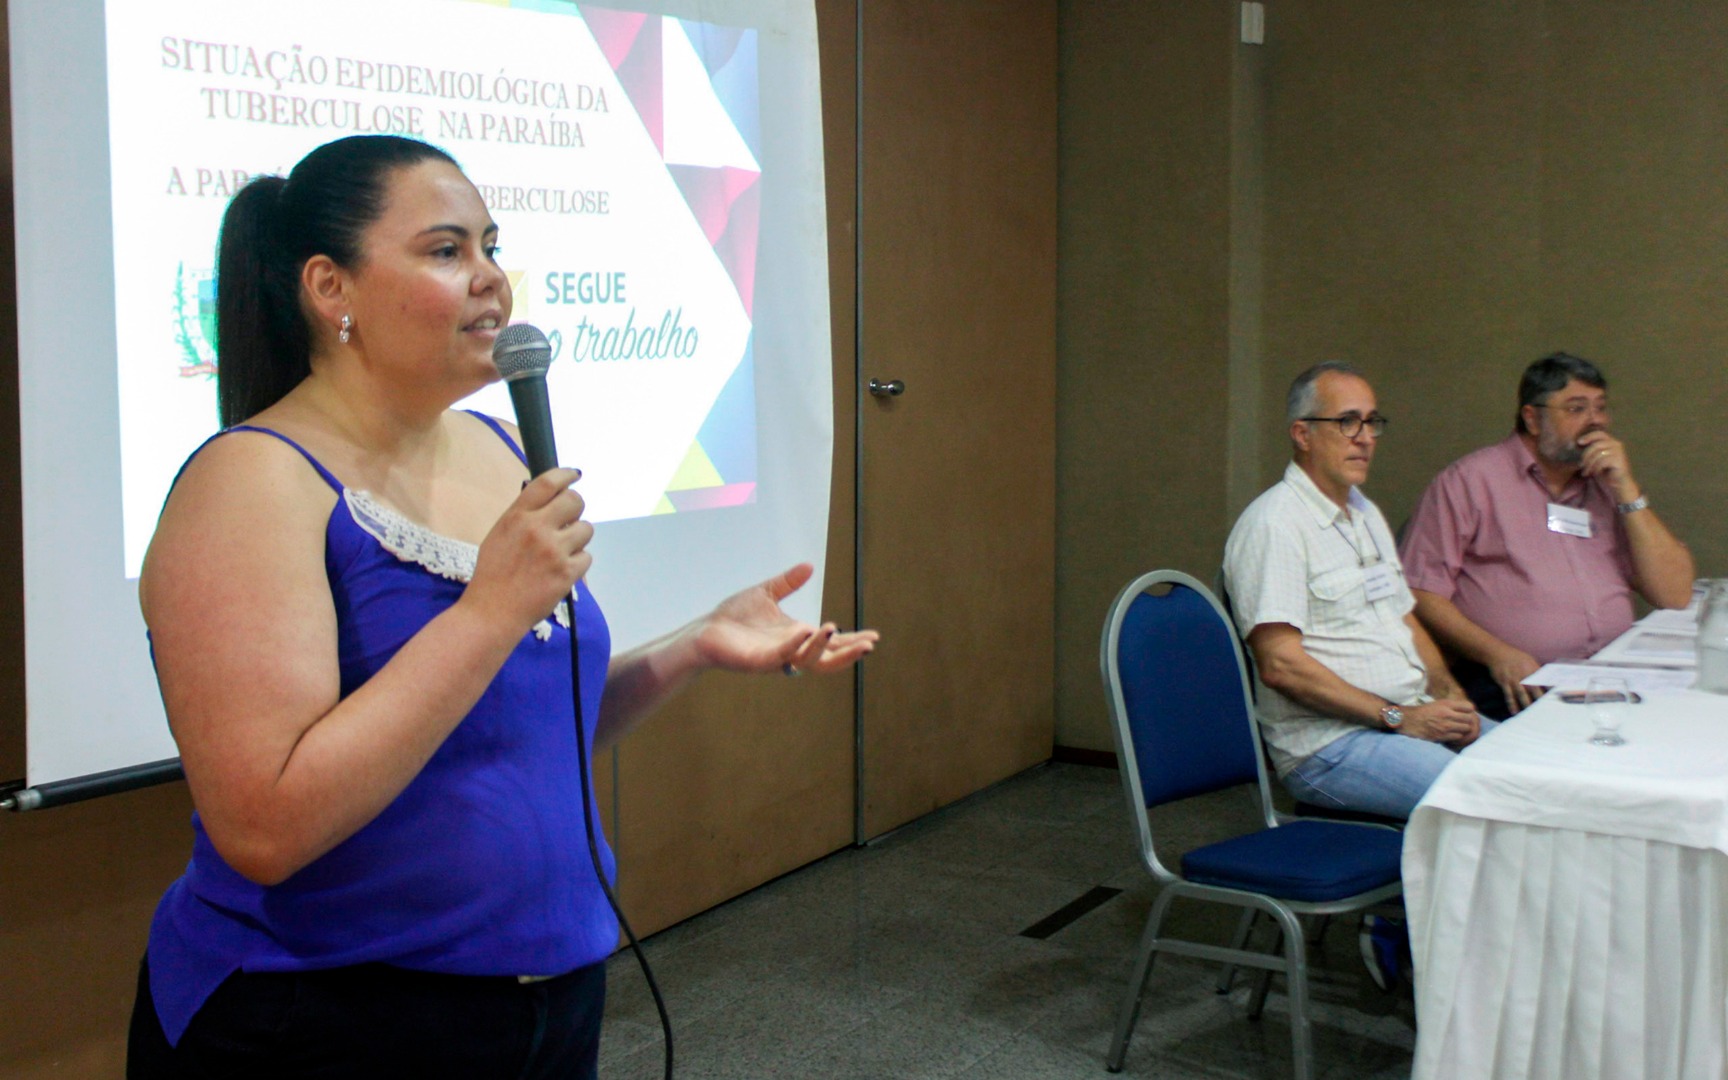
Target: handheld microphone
522,354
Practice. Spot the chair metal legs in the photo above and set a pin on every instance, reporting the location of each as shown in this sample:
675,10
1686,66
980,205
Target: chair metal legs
1289,935
1227,977
1296,988
1130,1011
1263,981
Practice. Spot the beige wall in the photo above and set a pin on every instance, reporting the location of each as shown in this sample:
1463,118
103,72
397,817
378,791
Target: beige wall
1444,193
1143,277
1454,190
1403,219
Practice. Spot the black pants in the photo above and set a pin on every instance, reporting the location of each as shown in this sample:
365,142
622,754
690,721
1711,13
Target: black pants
1479,685
375,1022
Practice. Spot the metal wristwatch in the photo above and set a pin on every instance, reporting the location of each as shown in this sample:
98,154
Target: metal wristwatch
1634,506
1392,716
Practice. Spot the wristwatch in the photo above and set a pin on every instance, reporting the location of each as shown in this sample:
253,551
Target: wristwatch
1392,716
1634,506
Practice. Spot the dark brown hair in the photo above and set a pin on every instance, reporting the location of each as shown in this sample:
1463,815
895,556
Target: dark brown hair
1550,375
272,226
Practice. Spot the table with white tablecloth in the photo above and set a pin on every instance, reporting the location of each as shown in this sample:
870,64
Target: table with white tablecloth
1568,903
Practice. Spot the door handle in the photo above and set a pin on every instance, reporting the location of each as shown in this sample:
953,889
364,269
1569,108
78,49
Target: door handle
889,389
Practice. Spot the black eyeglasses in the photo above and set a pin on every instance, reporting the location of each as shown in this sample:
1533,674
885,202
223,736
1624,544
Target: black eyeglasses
1575,409
1350,425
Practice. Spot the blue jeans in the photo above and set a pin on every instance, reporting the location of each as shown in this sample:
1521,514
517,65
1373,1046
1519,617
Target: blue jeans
1377,771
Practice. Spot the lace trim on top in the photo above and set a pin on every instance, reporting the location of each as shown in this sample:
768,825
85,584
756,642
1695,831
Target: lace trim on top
438,554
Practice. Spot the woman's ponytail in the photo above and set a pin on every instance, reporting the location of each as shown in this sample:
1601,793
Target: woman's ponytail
261,341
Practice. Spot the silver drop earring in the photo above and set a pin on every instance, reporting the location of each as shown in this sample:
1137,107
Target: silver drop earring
347,329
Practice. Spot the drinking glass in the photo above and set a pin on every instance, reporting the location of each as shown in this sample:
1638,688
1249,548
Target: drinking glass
1607,697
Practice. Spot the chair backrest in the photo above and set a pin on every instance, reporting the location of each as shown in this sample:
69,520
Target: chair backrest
1178,691
1221,593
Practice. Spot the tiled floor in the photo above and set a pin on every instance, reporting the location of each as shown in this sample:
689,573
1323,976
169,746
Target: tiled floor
906,959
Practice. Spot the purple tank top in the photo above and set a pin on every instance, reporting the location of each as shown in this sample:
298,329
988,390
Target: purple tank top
479,867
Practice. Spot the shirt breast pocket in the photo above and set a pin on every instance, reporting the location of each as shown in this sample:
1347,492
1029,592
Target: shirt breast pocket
1337,599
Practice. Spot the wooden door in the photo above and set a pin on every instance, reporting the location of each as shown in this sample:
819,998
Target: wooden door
957,280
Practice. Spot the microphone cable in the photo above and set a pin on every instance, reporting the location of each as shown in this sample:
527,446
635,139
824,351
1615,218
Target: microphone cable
587,783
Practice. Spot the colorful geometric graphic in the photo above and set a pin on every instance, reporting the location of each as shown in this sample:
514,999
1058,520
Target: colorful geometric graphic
724,451
694,87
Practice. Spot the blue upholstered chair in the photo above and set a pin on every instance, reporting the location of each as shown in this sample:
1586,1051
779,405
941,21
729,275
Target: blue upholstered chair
1178,691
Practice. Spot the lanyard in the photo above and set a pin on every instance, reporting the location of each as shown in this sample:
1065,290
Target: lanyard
1361,559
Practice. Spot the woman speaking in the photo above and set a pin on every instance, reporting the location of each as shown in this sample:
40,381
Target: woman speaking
350,598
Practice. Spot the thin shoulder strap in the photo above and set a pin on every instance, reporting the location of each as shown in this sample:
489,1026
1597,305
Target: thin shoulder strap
329,477
316,464
502,434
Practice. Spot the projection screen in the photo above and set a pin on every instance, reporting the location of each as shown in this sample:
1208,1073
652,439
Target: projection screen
656,172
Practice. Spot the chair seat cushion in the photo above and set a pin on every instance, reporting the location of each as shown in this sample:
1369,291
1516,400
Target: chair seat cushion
1312,861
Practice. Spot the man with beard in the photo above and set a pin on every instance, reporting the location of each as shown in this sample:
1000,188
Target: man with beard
1529,550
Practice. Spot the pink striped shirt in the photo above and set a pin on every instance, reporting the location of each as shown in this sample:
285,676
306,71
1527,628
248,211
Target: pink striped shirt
1480,538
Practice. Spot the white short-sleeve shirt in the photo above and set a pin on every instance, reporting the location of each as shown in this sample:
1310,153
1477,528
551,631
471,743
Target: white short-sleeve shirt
1296,557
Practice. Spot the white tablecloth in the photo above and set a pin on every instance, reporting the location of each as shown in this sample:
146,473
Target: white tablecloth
1569,903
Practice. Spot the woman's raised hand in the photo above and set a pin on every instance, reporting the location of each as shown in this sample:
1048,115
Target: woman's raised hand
534,554
749,632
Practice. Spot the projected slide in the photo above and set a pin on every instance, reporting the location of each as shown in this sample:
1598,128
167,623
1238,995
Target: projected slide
655,167
619,152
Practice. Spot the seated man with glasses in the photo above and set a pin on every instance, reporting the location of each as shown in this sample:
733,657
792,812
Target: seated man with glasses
1529,550
1358,709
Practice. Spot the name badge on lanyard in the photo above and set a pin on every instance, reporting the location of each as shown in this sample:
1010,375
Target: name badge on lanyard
1569,520
1381,580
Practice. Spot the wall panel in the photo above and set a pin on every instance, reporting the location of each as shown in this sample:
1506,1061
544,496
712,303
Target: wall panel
1143,330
